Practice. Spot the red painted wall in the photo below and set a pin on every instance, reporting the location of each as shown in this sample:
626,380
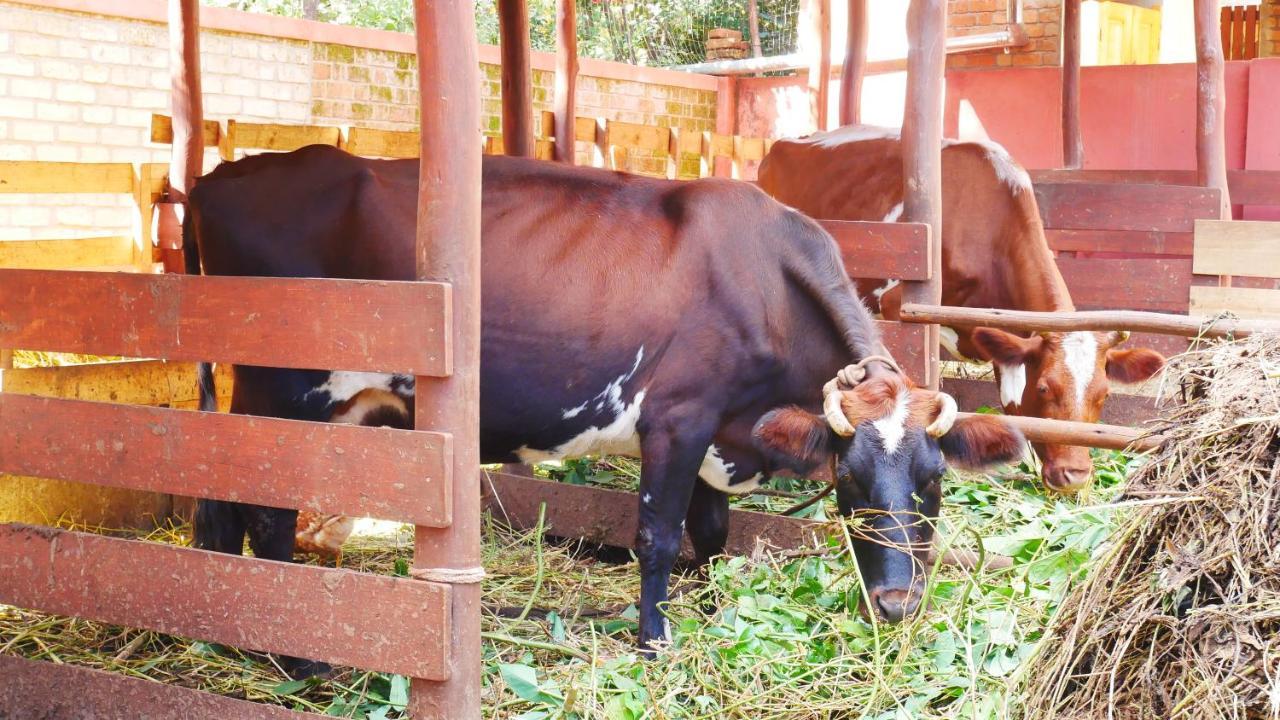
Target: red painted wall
1263,150
1136,117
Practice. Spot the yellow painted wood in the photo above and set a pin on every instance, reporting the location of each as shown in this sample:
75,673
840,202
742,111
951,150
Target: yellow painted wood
88,253
31,176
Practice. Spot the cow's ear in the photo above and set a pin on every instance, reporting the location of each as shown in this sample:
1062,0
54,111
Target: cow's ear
1133,366
794,439
981,441
1003,347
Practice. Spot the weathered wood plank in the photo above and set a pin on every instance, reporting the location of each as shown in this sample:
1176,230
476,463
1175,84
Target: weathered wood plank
133,382
340,469
1237,247
359,325
1137,242
1159,284
879,250
381,143
1110,206
906,343
162,130
31,176
116,250
638,137
273,136
1120,408
1246,302
1248,187
388,624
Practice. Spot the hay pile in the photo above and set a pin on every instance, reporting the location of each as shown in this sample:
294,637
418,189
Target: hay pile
1181,618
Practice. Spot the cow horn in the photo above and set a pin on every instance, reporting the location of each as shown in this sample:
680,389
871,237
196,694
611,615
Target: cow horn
941,425
1118,336
834,412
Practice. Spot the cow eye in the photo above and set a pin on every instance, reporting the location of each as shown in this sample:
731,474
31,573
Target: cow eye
1043,388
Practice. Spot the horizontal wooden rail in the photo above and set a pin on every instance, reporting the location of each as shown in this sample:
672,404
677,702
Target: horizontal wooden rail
1112,206
360,325
162,131
132,382
1026,321
86,252
34,176
1247,187
83,693
898,251
388,624
1120,408
1066,432
343,469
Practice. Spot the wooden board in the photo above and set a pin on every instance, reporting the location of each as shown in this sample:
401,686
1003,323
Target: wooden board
879,250
1242,301
608,517
719,145
1254,187
272,136
88,252
162,131
906,342
361,325
1237,247
31,176
1109,206
1159,284
375,622
33,688
1119,409
1138,242
339,469
638,137
382,143
133,382
584,129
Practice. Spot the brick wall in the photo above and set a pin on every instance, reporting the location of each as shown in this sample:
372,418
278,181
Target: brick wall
1041,19
82,87
1270,46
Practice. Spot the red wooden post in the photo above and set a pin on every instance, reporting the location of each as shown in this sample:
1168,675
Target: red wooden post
187,158
517,80
1211,104
855,64
818,46
1072,143
448,249
566,78
922,150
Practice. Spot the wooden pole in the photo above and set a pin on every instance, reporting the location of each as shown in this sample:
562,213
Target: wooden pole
1098,320
817,46
1082,434
566,78
855,64
448,249
922,152
186,161
753,25
1211,104
517,78
1072,143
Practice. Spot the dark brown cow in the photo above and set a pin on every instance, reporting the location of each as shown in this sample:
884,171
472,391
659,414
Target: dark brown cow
693,324
994,254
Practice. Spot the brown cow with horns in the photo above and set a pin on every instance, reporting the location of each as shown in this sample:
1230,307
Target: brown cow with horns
994,254
694,324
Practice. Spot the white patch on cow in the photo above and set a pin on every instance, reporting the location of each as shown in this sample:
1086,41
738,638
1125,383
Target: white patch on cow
880,291
719,474
852,134
950,339
342,385
1013,381
572,413
893,427
1081,351
895,212
612,393
646,498
1006,168
619,437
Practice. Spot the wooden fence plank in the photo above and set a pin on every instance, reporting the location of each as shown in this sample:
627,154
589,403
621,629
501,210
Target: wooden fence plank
638,137
906,343
1254,187
162,130
1159,284
382,143
1247,187
61,254
1110,206
132,382
882,250
338,469
1243,301
360,325
41,689
1120,408
387,624
1251,32
273,136
1138,242
30,176
608,517
1237,247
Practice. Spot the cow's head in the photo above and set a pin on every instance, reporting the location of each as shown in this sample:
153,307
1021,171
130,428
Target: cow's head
1062,376
890,443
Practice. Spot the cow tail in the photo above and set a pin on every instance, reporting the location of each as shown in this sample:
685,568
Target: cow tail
191,257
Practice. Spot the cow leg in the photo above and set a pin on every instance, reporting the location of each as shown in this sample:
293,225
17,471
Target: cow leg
667,478
218,526
707,522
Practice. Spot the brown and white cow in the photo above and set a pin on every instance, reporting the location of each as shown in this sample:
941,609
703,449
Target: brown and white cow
695,324
994,254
